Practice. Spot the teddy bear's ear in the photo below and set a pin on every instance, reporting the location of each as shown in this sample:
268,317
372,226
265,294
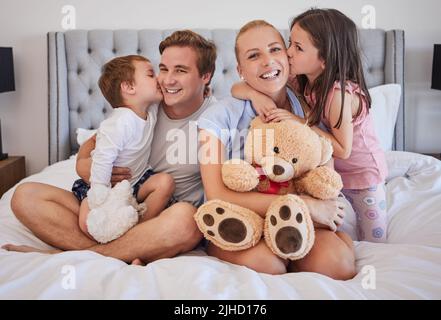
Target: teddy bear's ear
327,150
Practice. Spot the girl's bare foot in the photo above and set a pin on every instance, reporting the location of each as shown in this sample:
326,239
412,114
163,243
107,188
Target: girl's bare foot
12,247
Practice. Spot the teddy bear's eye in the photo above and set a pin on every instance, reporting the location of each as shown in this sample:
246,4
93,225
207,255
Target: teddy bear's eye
294,160
276,150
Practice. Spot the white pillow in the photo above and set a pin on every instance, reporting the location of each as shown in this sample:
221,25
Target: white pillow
84,134
384,111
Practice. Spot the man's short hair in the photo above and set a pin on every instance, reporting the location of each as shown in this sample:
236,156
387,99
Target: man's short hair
115,72
205,49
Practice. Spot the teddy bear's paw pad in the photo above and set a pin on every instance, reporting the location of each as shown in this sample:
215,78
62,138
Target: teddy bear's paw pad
228,226
289,231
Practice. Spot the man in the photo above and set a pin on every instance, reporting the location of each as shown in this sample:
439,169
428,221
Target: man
186,68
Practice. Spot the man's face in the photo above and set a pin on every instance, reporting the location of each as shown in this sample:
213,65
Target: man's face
179,78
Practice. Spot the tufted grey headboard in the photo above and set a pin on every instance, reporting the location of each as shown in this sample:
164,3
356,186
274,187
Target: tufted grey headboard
76,57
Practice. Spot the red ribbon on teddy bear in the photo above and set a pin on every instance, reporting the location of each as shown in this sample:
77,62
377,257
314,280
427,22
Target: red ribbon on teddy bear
274,186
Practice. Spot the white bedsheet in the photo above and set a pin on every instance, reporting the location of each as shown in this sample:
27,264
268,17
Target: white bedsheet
408,267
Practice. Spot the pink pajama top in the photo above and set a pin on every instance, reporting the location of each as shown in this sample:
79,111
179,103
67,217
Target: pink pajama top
366,166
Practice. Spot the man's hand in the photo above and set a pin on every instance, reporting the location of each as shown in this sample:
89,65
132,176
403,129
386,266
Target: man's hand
119,174
84,160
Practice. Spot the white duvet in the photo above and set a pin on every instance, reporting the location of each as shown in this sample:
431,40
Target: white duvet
408,267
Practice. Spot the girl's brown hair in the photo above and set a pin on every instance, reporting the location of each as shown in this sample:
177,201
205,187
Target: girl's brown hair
336,38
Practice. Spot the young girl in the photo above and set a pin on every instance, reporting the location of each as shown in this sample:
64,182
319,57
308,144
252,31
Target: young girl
325,61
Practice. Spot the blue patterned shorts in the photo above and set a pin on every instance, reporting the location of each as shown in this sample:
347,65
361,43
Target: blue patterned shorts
80,187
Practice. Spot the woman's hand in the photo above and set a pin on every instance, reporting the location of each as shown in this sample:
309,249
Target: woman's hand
325,213
278,115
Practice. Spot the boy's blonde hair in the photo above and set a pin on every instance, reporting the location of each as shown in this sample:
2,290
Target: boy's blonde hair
115,72
252,25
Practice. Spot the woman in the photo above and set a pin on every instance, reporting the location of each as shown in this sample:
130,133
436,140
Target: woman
263,64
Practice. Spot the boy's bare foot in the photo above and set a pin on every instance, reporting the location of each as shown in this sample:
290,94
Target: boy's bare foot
12,247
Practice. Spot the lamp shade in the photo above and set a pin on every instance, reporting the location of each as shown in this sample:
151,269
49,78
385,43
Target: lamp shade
7,82
436,68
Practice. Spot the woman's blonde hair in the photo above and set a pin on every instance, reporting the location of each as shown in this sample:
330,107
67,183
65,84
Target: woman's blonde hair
248,26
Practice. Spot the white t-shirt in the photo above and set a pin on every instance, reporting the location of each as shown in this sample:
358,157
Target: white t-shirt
123,139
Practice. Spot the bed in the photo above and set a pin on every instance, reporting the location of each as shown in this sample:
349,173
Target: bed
407,267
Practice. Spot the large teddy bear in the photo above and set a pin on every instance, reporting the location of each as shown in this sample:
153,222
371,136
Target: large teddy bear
284,158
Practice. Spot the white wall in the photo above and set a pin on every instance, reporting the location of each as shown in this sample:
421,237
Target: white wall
24,24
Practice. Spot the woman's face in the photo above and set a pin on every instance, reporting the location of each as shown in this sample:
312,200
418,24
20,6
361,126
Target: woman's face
263,61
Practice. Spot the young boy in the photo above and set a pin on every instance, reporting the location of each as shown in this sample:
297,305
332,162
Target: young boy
124,139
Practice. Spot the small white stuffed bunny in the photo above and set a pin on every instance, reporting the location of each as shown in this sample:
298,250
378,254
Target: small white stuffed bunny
112,211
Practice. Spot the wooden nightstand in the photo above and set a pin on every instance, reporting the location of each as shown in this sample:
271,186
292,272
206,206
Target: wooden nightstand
12,170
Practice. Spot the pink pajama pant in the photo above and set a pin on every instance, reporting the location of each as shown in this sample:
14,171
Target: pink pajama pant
371,209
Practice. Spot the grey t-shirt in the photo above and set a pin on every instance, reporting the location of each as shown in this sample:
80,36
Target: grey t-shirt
175,151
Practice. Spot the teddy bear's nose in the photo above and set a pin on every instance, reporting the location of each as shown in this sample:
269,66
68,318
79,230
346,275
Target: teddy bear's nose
278,170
